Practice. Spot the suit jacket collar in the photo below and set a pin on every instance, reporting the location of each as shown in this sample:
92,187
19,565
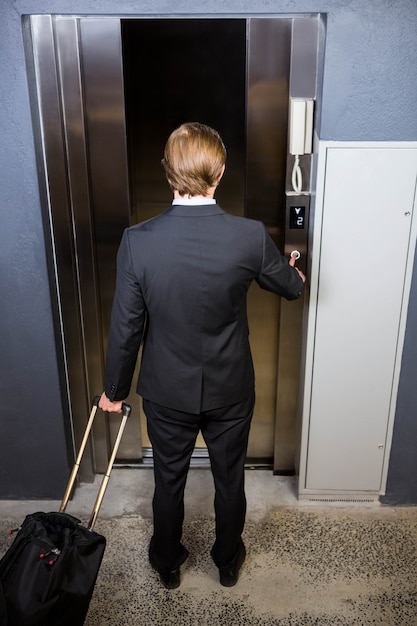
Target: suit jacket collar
192,210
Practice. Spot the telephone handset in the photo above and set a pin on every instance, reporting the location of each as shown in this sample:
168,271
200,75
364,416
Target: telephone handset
300,135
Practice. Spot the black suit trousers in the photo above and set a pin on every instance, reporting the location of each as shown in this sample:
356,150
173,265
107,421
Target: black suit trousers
173,435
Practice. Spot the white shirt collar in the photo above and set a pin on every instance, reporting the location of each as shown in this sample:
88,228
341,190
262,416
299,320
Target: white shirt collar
193,201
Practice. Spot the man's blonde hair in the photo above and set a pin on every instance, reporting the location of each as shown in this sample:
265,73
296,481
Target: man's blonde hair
194,156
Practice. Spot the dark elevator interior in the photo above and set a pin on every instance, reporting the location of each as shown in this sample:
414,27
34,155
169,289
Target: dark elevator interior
218,72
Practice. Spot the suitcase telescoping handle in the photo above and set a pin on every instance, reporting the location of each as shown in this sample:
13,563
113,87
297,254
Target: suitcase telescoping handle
126,409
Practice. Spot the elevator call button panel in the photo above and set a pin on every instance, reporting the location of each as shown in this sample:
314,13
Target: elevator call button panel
297,217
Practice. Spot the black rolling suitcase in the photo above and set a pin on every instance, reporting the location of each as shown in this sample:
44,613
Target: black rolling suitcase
48,574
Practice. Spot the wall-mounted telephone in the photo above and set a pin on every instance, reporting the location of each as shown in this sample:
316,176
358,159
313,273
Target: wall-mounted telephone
300,135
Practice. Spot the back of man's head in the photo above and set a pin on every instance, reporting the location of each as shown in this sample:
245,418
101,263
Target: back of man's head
193,160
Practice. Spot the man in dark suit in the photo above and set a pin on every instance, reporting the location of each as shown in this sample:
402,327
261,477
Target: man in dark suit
182,282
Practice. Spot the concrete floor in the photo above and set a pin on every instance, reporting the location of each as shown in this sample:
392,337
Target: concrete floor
307,564
130,491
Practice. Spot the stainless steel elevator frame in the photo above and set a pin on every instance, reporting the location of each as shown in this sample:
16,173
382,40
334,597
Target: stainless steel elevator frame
81,140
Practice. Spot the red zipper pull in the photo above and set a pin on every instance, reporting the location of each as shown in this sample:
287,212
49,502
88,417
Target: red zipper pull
54,558
43,555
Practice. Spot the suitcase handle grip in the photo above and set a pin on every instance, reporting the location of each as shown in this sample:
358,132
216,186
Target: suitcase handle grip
126,410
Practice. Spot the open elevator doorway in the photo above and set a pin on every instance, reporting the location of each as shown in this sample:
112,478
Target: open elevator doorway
232,74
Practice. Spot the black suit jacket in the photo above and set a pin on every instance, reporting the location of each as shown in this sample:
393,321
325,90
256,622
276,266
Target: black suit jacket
182,281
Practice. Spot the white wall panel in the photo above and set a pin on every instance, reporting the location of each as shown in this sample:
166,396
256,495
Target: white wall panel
366,244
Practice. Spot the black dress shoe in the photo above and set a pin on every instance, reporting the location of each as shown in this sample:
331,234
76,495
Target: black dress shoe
229,575
169,578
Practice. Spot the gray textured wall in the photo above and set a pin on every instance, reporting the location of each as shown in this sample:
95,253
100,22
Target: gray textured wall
369,93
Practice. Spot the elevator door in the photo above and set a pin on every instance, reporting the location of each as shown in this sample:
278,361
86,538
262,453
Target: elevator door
108,93
204,70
